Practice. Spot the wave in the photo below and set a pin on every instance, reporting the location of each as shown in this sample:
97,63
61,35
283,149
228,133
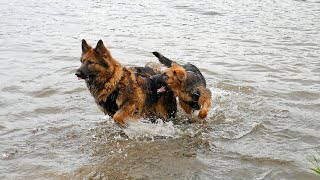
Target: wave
238,135
145,129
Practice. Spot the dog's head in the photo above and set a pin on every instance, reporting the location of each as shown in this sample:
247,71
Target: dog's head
175,76
158,82
95,62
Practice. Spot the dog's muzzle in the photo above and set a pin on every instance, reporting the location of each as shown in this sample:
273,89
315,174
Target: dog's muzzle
80,75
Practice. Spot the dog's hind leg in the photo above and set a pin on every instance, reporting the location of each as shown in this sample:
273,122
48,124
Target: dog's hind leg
166,106
205,102
122,114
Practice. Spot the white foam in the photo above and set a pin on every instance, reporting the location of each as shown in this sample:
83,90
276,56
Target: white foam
145,129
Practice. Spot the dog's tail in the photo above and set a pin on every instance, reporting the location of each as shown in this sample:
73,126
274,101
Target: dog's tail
164,60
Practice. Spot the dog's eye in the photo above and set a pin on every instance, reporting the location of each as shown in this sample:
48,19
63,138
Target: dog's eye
90,62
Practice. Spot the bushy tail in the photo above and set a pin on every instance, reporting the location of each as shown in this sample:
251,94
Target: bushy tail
164,60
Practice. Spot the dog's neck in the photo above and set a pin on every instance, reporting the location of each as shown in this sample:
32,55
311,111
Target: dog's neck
110,85
177,89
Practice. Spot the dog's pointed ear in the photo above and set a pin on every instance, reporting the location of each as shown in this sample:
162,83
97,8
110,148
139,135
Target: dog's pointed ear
100,48
182,76
85,46
179,72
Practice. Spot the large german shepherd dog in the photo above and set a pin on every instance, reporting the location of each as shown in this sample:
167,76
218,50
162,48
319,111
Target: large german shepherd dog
187,83
123,93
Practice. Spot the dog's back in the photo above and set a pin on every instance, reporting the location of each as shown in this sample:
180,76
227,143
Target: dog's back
195,76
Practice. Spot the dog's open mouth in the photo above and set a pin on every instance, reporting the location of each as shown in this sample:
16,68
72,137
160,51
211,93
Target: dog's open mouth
88,78
83,78
161,90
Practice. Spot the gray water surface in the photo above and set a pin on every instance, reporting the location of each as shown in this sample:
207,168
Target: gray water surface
260,58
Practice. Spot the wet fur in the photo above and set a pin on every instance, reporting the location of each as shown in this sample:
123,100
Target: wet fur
123,93
187,83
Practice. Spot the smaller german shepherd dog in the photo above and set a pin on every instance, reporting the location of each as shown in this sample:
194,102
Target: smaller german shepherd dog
187,83
123,93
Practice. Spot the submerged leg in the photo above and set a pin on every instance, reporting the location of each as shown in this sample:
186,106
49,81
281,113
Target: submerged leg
122,114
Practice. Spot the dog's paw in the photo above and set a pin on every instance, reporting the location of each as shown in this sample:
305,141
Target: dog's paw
202,114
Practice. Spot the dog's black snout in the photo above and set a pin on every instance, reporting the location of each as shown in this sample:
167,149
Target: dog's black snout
78,74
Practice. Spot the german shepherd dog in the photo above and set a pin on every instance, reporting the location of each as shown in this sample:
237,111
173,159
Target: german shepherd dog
187,83
123,93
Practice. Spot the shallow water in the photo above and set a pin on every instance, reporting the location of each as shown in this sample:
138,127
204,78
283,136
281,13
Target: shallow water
261,61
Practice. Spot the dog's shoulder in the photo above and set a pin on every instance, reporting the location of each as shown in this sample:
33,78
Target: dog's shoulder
194,74
191,67
194,79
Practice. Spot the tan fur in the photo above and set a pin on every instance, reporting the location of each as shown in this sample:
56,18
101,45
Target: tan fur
205,101
186,107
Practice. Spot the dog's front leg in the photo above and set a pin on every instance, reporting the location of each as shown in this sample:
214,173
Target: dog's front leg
186,107
127,110
205,102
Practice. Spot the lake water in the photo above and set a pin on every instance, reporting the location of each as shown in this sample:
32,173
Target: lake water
260,58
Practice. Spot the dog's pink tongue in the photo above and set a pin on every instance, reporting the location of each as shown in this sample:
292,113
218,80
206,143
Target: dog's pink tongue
161,90
79,78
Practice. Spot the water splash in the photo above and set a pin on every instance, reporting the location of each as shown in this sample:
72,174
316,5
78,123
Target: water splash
145,129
